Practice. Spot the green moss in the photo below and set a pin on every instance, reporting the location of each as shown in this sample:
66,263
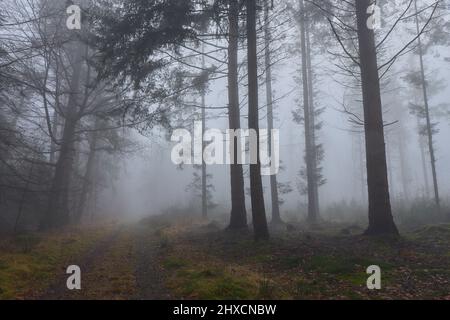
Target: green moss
356,279
352,295
291,262
305,289
263,258
212,284
230,289
29,262
342,265
26,242
266,289
174,263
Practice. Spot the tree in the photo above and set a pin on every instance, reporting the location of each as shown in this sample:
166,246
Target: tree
257,196
364,55
204,173
58,207
312,150
380,212
276,217
238,217
426,110
158,26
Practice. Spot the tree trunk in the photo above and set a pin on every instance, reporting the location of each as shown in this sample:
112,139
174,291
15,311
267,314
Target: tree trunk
238,219
313,124
204,174
424,166
53,145
427,114
58,208
257,195
57,214
392,184
309,145
403,165
88,176
276,217
362,176
380,212
22,200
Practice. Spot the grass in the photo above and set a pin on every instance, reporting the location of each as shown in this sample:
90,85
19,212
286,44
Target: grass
192,275
203,263
210,284
321,265
112,274
28,262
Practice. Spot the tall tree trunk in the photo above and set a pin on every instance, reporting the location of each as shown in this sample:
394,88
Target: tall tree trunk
423,161
276,217
57,214
404,168
204,174
58,209
257,195
53,145
362,176
380,212
312,122
88,176
309,145
22,200
238,217
427,114
392,185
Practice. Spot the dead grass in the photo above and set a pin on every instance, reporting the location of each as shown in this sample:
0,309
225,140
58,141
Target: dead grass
111,275
297,265
28,262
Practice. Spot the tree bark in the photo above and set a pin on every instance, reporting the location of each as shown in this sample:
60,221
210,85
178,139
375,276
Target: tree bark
311,175
238,217
57,214
204,174
427,114
23,198
313,123
88,176
257,195
53,145
423,161
380,212
276,217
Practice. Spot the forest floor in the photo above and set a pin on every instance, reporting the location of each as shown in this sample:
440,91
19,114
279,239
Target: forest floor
175,258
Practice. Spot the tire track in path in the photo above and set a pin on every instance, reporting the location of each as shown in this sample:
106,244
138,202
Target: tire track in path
150,276
58,289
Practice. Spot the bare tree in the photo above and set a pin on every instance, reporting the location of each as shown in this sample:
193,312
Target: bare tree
257,195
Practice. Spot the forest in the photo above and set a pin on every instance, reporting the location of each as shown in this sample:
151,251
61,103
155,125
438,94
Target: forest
224,150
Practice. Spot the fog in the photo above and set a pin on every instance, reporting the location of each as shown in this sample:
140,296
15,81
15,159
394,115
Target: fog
137,177
150,183
224,150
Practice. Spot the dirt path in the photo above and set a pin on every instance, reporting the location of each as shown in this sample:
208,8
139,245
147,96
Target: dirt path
149,274
125,264
58,290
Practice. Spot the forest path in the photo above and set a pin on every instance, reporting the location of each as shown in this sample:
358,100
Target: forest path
124,264
58,289
150,277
